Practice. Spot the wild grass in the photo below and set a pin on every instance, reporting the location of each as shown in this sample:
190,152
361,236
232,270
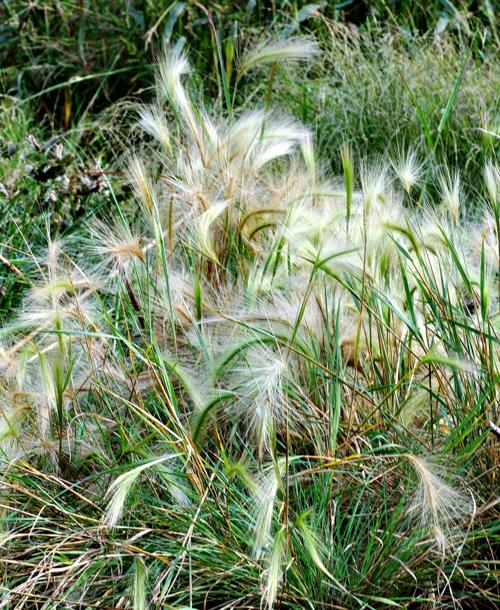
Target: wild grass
73,60
257,385
383,92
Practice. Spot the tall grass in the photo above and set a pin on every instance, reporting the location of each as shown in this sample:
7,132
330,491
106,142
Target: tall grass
383,92
72,59
258,385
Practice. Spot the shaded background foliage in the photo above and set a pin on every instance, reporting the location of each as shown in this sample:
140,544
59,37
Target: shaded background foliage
72,57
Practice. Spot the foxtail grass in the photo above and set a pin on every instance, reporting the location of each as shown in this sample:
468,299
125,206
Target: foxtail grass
257,385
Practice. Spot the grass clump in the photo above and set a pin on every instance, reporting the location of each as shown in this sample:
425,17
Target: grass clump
242,390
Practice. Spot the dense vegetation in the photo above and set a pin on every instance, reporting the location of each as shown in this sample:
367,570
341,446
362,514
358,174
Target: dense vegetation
249,304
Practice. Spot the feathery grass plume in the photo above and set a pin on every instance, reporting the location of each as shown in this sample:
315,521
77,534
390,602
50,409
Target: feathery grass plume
438,506
492,181
203,229
302,227
487,235
116,245
294,49
408,169
268,485
243,135
451,193
66,303
384,224
255,139
53,257
48,386
373,184
120,488
415,406
142,184
270,152
52,362
278,138
139,584
285,308
180,300
152,120
9,364
13,412
59,302
308,154
274,570
259,382
429,227
171,67
51,358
